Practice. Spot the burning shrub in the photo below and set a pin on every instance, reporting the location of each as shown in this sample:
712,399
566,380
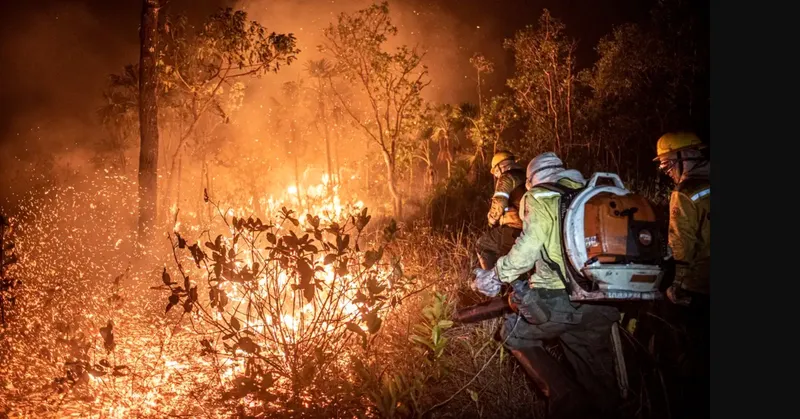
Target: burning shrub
280,303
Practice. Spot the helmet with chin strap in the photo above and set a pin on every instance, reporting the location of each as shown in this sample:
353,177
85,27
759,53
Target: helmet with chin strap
674,148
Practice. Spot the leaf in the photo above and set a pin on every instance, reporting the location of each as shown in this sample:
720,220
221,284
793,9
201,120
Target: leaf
173,300
373,287
371,257
213,294
235,323
341,267
422,341
205,195
445,324
329,258
165,278
246,344
223,300
373,321
181,241
120,371
390,230
197,254
357,330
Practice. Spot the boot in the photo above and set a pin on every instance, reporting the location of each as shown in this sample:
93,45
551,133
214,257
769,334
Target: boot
566,398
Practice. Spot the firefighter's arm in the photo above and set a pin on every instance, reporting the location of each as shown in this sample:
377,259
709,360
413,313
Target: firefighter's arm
682,236
526,251
500,199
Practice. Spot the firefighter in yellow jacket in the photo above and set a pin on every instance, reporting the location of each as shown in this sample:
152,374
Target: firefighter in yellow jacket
681,156
543,308
503,214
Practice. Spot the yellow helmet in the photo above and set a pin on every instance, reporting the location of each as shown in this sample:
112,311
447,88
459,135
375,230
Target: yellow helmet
676,141
501,156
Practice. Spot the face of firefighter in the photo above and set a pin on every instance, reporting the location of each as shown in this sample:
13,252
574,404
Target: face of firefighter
676,166
670,167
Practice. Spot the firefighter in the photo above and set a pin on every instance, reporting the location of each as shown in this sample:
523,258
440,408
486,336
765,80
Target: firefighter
681,156
544,310
504,211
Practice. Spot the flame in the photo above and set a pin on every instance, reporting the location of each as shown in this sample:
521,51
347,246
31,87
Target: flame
164,360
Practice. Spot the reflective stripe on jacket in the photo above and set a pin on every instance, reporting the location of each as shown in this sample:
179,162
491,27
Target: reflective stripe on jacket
508,192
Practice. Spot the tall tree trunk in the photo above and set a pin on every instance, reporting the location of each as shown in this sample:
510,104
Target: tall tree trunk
296,167
480,98
392,180
178,183
337,165
327,136
366,164
148,121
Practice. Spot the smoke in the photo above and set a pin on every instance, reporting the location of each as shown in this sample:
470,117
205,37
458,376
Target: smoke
432,29
58,54
55,60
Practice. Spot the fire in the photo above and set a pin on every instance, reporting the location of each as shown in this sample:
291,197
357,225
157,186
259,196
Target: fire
165,370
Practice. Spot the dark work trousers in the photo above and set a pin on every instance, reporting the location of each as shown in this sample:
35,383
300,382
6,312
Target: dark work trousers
496,242
584,332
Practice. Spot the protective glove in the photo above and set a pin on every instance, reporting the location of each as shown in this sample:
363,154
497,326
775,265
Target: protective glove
678,296
486,282
492,219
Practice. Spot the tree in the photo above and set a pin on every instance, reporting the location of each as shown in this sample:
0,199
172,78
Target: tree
199,83
444,121
119,116
544,82
499,114
198,69
148,120
645,82
482,66
390,81
321,71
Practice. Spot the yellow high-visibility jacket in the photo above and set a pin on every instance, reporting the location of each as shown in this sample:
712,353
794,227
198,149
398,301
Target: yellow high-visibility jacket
690,234
539,244
508,191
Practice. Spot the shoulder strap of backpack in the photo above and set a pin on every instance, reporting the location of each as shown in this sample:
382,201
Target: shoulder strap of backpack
555,187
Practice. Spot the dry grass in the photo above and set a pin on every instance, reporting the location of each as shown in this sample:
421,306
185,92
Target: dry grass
480,378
